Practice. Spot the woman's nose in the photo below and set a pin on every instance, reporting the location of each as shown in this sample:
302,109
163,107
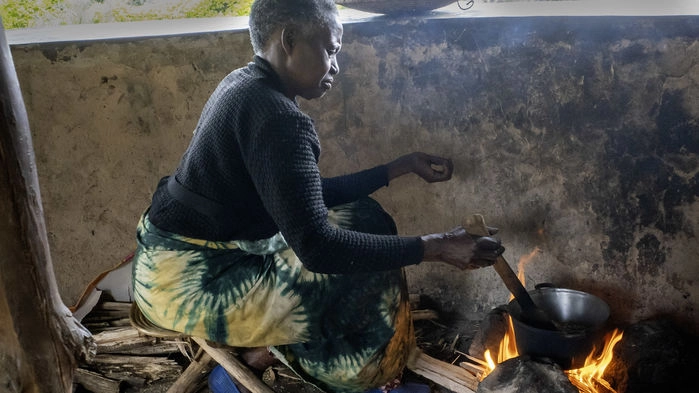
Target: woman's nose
334,68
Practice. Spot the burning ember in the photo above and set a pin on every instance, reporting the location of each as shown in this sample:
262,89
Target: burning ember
587,379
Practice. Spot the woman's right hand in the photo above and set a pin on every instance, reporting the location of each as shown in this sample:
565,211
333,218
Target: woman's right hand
460,249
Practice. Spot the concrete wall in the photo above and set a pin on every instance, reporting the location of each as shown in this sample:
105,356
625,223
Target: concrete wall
576,136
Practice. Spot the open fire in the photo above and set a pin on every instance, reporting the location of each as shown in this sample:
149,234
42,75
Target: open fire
587,379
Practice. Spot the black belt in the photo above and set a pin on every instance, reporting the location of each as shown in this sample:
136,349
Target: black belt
203,205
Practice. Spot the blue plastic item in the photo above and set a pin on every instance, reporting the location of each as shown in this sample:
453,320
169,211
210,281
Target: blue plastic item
221,382
409,387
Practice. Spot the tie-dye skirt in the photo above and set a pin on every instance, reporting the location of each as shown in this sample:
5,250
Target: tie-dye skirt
343,333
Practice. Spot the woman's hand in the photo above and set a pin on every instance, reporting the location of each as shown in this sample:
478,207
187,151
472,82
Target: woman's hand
460,249
430,168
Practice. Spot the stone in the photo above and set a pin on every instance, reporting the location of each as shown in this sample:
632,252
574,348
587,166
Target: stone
654,356
526,375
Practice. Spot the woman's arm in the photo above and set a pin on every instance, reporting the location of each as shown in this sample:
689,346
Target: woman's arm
430,168
347,188
460,249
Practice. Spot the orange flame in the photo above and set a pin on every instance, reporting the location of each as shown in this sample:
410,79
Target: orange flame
524,260
591,374
587,379
507,350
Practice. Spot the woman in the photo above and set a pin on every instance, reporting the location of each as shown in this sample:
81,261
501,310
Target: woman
239,245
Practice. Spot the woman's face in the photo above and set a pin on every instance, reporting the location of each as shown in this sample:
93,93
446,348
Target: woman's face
312,62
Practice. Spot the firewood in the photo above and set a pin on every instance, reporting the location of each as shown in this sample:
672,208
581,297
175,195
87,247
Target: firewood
234,367
97,327
120,322
473,368
123,367
442,373
420,315
105,315
121,340
474,359
95,382
137,346
159,348
126,333
194,374
120,306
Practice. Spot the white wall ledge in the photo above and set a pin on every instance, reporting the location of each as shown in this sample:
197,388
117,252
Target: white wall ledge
160,28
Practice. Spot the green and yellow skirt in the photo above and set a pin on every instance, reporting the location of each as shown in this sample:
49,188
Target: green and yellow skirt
341,332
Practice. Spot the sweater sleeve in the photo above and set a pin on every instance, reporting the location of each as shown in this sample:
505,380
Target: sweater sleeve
347,188
281,157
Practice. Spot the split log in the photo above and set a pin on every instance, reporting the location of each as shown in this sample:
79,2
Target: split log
105,315
97,383
116,306
159,348
122,341
442,373
475,369
44,338
130,341
194,375
122,334
234,367
421,315
142,368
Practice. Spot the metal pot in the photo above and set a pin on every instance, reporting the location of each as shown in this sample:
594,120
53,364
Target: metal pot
580,317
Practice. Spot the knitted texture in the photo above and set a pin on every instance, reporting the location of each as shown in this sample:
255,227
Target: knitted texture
256,153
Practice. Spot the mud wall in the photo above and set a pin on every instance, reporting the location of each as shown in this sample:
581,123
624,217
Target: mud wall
576,136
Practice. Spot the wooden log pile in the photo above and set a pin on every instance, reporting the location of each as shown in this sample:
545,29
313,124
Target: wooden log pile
125,358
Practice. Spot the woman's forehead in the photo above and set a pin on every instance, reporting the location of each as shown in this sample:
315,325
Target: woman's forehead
329,33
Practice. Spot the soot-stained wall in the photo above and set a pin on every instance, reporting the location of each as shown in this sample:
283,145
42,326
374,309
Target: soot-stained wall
576,136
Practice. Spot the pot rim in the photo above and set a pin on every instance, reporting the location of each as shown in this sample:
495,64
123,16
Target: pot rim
514,309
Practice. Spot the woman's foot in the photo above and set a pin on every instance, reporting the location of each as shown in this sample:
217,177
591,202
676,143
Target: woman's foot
258,358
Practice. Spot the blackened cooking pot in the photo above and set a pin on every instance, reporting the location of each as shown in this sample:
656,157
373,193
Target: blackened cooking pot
580,318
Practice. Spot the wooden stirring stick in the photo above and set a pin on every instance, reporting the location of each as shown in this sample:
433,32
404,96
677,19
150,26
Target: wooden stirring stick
531,313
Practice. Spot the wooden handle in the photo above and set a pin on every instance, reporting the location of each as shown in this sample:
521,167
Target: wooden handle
475,225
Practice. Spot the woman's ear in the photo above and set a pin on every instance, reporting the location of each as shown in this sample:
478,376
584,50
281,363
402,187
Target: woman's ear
288,39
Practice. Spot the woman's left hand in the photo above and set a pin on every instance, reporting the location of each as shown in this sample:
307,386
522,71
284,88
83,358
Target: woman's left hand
431,168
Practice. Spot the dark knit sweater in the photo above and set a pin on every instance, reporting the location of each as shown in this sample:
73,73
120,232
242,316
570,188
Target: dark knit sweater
256,153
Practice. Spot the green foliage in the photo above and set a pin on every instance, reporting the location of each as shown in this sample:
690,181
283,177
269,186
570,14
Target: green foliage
37,13
24,13
210,8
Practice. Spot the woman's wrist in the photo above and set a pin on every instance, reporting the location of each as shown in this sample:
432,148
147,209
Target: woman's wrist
430,246
397,168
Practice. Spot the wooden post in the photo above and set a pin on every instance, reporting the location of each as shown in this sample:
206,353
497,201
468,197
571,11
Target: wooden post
41,338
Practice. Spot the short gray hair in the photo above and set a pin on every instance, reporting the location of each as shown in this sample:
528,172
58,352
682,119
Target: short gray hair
266,16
